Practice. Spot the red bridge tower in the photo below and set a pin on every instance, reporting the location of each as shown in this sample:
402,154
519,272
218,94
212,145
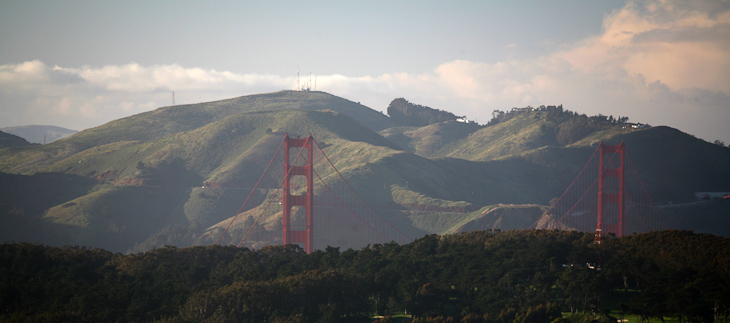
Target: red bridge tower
613,200
306,200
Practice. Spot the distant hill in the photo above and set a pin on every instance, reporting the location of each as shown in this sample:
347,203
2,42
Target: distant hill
173,175
40,134
11,140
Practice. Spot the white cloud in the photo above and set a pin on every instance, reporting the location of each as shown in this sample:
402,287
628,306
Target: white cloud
682,44
134,78
63,107
31,71
34,93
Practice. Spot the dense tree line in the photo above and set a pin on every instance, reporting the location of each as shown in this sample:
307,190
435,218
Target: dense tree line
415,115
485,276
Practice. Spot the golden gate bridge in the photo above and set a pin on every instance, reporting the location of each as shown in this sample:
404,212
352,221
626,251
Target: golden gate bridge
302,198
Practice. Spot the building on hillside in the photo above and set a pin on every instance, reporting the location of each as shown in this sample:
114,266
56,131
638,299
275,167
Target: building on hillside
636,125
525,109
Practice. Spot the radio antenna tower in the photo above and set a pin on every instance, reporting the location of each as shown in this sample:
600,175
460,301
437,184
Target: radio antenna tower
173,97
298,89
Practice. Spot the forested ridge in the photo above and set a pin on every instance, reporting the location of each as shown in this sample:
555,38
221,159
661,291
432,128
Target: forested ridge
482,276
416,115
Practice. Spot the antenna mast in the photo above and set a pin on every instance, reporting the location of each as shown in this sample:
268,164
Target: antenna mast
173,97
298,89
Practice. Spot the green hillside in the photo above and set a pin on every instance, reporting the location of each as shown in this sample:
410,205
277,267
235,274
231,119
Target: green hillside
430,140
529,130
520,131
525,132
167,121
176,175
174,119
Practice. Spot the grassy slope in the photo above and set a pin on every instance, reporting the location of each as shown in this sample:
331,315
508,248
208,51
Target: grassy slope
522,133
167,121
491,217
429,140
115,217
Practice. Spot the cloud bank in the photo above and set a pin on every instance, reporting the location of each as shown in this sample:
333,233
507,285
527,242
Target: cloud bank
657,62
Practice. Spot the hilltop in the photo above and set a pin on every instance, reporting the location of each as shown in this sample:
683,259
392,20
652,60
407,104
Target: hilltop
169,175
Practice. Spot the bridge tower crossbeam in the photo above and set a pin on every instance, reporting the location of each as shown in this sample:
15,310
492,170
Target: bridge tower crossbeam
305,236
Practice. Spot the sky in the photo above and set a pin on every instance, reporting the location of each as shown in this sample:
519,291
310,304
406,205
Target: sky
80,64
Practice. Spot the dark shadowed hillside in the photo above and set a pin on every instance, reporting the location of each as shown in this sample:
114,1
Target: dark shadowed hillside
11,140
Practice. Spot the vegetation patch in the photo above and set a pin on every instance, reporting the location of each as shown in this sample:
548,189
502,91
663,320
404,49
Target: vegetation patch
481,276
